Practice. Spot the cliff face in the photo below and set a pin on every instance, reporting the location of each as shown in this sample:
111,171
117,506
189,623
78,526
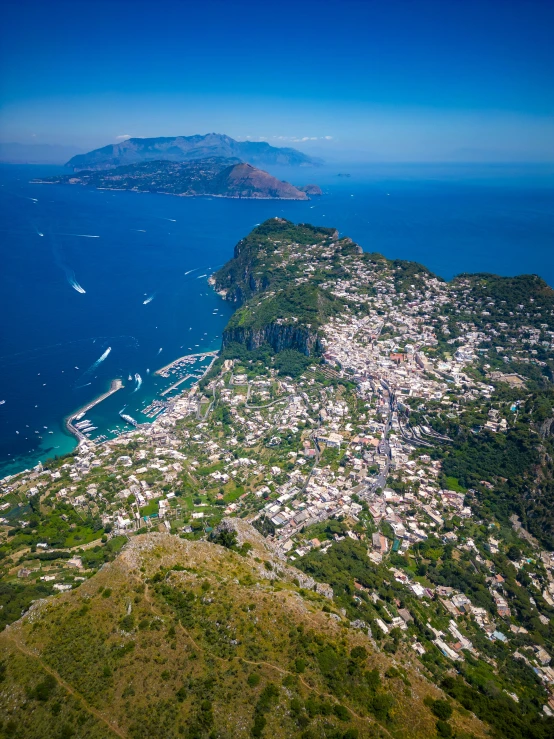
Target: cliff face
277,304
278,336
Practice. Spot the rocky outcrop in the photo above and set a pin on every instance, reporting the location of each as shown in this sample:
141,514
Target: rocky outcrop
311,189
547,428
245,181
278,336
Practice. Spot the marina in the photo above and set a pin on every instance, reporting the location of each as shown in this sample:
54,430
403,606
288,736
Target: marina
155,408
183,361
81,427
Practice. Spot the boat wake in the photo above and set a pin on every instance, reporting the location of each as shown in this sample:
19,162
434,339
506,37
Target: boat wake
160,350
83,236
69,273
75,285
87,373
100,359
138,380
149,299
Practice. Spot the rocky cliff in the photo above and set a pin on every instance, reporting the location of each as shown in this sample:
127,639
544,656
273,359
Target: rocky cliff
278,336
279,306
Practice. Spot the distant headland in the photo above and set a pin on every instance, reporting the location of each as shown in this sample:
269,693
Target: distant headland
214,176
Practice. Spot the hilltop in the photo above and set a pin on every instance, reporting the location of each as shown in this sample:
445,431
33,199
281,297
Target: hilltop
219,177
187,148
165,639
282,301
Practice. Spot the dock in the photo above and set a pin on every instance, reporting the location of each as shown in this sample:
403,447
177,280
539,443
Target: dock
164,371
175,384
114,387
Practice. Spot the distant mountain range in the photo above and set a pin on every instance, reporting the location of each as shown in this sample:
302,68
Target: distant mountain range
188,148
216,176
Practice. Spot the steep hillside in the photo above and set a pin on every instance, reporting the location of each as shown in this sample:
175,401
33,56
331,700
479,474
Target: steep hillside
282,302
187,148
179,638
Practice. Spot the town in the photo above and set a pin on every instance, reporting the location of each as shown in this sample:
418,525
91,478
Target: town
348,447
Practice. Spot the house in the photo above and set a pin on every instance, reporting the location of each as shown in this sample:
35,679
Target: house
405,615
380,543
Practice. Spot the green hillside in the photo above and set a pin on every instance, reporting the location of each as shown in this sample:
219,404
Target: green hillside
164,640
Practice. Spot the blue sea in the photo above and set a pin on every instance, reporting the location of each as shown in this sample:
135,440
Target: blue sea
97,285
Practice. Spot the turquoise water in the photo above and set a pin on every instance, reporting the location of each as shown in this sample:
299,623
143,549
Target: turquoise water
124,248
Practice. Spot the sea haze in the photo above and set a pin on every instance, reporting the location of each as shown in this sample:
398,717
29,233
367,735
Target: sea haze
79,289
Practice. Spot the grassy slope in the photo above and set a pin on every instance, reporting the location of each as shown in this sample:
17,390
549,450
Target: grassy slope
75,668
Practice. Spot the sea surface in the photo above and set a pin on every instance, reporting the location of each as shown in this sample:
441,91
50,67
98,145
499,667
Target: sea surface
97,285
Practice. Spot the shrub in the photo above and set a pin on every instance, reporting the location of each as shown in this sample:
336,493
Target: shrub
442,709
44,689
341,712
381,705
127,623
444,729
358,653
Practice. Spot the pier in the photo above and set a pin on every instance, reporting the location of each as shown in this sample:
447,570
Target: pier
164,371
175,384
114,387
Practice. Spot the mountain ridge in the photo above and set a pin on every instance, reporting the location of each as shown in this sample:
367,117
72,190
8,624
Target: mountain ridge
161,640
187,148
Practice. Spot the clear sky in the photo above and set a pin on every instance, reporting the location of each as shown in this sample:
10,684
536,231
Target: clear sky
408,80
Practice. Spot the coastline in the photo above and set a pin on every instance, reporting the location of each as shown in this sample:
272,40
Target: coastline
115,385
174,194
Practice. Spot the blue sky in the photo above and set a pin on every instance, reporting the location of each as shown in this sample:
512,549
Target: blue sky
401,80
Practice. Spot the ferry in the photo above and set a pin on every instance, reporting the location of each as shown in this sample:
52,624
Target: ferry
127,418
